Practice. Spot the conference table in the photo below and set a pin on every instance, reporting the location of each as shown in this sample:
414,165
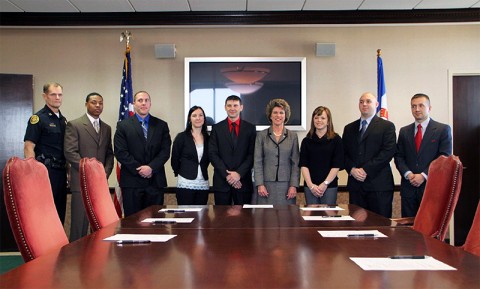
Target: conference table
235,247
237,217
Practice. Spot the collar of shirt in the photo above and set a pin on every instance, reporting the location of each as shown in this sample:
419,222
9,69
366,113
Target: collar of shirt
57,114
92,119
146,119
237,122
368,121
424,125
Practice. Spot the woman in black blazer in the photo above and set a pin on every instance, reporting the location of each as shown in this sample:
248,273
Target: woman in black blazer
190,160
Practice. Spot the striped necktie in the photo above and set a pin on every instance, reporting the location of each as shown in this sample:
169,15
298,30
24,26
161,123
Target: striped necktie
144,128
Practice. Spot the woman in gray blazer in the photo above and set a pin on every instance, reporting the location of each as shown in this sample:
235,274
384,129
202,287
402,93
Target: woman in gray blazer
277,174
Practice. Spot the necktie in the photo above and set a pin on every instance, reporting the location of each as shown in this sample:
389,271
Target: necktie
96,125
234,133
363,129
418,137
144,128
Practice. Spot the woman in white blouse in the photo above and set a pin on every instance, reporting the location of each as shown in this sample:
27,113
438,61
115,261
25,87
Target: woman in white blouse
190,160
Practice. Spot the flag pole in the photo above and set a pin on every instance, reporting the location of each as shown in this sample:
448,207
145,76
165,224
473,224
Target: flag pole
125,110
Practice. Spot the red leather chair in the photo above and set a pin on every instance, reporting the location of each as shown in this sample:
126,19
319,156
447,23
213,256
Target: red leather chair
440,197
472,243
96,194
30,208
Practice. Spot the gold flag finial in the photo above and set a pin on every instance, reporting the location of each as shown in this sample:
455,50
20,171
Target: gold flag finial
379,52
126,36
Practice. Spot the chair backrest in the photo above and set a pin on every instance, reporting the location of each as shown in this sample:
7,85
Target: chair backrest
30,208
472,243
440,197
96,194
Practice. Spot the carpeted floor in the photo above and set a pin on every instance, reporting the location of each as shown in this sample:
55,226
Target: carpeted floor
9,261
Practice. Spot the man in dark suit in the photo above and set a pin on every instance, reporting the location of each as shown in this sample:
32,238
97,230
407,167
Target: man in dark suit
231,149
142,147
418,145
86,136
369,145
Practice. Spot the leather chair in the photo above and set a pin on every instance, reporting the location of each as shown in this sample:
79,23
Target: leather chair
96,194
440,197
472,243
30,208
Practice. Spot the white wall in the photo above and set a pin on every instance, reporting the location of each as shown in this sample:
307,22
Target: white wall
416,59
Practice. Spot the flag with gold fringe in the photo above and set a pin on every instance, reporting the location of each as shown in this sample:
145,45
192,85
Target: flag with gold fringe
125,110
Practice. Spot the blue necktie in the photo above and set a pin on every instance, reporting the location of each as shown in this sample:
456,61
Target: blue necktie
144,128
364,128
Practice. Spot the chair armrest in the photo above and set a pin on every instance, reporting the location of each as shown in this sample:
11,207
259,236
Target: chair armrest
407,221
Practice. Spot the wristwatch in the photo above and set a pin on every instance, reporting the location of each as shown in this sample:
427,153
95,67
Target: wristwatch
326,183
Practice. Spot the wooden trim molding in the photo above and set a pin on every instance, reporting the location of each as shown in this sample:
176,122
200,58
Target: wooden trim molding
25,19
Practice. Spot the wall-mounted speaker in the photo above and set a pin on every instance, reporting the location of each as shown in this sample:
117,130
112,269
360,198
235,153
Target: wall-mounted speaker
165,51
325,49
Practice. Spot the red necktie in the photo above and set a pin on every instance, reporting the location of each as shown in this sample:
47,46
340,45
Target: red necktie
418,137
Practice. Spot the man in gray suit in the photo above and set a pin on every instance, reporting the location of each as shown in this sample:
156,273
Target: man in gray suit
418,145
86,136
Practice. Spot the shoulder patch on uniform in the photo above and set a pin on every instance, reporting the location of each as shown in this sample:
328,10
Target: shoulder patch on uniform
34,119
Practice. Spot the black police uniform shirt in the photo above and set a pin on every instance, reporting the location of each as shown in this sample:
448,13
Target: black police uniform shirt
47,132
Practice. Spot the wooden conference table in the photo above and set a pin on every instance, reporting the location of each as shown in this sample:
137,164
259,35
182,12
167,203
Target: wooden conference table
254,254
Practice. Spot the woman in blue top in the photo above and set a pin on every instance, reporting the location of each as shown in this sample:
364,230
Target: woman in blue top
321,157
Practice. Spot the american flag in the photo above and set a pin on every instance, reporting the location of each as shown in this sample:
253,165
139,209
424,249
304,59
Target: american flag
126,110
382,109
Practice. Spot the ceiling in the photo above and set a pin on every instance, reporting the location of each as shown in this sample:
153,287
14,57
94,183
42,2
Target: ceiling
92,6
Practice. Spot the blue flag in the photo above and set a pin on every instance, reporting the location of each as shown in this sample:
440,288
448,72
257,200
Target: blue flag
382,109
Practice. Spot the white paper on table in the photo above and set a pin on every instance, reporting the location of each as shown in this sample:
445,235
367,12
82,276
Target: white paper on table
328,218
344,234
387,264
180,210
248,206
141,237
337,208
176,220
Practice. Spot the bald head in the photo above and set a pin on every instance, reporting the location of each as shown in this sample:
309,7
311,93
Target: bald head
368,104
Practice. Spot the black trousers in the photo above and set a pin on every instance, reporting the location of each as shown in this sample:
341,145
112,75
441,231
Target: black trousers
233,197
137,199
58,181
191,197
411,200
379,202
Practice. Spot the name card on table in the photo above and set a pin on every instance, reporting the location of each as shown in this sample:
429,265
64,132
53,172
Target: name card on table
141,237
352,234
401,264
168,220
328,218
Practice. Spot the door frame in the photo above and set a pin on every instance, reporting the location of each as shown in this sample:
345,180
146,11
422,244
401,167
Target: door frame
451,74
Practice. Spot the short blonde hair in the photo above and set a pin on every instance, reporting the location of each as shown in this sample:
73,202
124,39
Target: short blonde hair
278,102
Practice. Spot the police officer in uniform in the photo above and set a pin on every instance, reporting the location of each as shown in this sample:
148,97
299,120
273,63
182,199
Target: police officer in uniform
44,141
